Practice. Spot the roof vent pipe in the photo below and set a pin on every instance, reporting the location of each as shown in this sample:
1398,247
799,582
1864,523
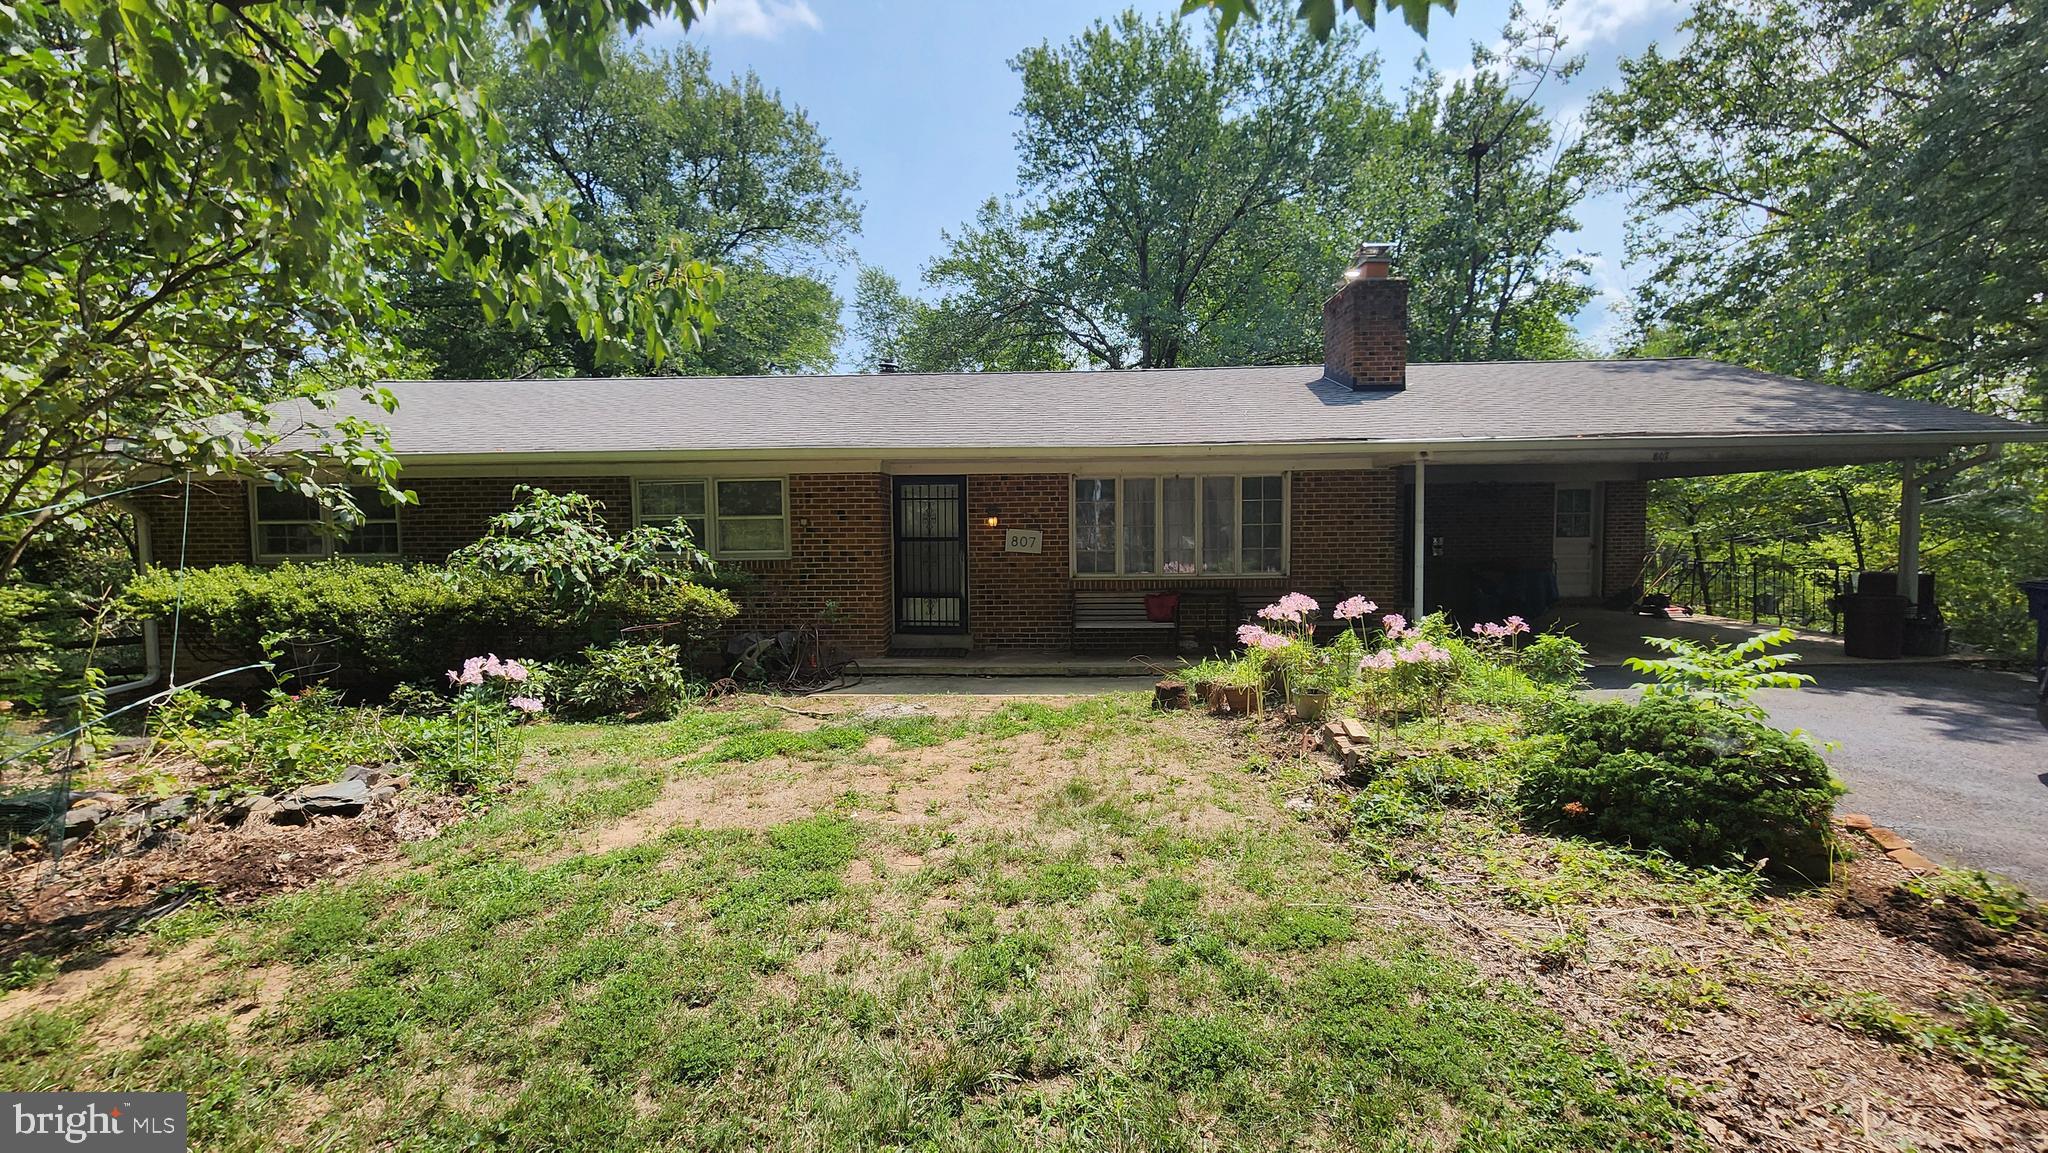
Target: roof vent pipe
886,366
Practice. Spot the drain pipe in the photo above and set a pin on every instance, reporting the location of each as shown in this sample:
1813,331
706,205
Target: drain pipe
1421,541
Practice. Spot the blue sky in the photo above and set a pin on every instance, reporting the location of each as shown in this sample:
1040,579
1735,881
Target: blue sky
917,96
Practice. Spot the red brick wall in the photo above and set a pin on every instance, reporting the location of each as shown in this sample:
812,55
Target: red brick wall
1365,334
1019,600
1624,535
219,523
453,511
839,552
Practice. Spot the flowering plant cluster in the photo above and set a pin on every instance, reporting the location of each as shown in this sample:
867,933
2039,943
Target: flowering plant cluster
1506,630
488,677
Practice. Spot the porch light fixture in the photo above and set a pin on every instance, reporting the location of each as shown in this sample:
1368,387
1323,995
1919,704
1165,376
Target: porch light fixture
994,515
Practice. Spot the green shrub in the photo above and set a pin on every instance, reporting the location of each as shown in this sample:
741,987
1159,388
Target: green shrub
394,624
1554,659
1725,675
620,679
1701,783
312,737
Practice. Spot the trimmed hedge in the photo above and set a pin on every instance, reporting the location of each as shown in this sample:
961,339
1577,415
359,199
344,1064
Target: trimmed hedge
408,624
1695,781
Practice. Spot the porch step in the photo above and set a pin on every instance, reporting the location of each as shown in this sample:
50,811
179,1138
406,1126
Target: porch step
999,664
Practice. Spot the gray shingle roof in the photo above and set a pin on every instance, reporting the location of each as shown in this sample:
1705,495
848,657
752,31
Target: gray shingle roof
1540,400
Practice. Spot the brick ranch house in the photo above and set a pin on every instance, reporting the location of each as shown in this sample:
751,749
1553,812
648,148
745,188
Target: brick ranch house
1037,510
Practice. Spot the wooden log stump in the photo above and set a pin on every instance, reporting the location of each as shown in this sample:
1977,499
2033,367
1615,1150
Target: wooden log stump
1170,695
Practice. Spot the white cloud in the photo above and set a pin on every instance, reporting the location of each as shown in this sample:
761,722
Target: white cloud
758,19
1587,22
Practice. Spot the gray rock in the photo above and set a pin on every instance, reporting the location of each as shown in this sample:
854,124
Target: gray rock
342,798
255,806
363,773
287,811
383,792
170,810
81,820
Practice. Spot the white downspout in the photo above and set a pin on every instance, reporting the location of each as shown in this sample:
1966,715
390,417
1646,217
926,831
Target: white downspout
1421,540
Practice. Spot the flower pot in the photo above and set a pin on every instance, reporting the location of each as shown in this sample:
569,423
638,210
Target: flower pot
1310,704
1233,699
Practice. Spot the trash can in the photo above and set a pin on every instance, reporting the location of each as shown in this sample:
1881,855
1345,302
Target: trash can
2037,607
1874,626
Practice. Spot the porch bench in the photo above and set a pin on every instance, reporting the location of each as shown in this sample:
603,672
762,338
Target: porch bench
1114,610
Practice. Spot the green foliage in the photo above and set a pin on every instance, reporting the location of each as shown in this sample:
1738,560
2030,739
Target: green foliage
1242,179
1553,659
1991,1039
659,150
1998,903
1847,127
562,543
29,666
1729,676
409,624
1703,784
645,681
1321,16
260,169
310,736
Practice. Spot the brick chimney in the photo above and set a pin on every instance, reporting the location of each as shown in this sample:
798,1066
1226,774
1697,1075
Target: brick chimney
1365,325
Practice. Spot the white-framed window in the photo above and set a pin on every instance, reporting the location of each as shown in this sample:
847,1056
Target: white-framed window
286,524
734,518
1219,525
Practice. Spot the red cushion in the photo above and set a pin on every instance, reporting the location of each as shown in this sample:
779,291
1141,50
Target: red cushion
1162,606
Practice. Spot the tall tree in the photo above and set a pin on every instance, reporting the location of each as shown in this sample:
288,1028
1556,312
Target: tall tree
1849,190
1185,201
1477,189
654,151
194,198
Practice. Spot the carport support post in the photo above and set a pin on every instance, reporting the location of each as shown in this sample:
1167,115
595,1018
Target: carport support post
1909,534
1421,541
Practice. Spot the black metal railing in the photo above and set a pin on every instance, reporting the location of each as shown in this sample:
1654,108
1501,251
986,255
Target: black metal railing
1759,589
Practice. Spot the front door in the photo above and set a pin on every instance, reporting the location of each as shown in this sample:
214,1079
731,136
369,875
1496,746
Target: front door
931,555
1572,544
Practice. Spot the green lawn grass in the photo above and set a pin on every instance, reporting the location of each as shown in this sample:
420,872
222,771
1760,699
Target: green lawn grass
1096,970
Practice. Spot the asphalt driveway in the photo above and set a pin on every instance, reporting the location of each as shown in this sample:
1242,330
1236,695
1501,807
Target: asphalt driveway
1951,757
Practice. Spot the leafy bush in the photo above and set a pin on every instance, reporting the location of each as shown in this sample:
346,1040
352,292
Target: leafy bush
562,544
395,624
621,679
311,737
1701,783
1726,675
1554,659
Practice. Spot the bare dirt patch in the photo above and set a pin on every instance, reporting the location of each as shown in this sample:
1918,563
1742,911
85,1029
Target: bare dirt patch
99,891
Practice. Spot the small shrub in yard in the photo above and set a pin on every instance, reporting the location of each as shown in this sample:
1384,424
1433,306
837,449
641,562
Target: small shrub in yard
1553,659
1706,785
646,681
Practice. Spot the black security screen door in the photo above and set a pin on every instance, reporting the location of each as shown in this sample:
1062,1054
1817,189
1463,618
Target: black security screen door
931,554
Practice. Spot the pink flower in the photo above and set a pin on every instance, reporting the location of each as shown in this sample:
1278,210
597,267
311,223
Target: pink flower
1272,641
1516,625
1293,608
1422,652
1353,608
1251,635
515,672
526,704
1394,623
1380,661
